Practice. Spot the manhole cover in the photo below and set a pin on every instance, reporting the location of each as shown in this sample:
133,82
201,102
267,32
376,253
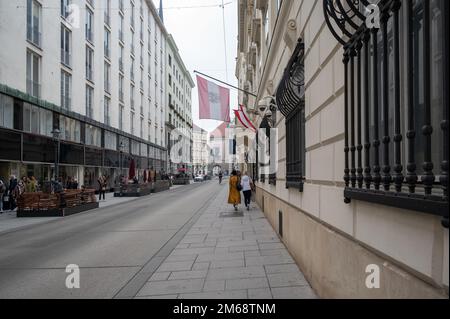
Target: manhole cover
232,214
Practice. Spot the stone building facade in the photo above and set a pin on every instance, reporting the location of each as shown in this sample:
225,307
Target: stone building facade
335,226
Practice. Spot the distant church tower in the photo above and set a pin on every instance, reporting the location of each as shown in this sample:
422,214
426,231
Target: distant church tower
161,13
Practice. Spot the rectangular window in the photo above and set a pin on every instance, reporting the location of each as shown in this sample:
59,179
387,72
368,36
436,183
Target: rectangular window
89,102
66,46
121,117
89,64
66,87
132,14
108,12
396,147
135,147
107,118
132,97
290,97
65,8
132,123
37,120
121,88
107,77
89,25
6,111
93,136
33,74
70,129
34,11
110,140
107,43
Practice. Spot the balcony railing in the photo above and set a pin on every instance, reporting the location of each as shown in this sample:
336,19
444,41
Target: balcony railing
33,88
34,35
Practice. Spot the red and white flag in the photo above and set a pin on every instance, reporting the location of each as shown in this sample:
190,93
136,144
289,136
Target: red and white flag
214,101
243,118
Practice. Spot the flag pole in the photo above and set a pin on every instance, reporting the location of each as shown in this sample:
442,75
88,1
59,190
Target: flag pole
227,84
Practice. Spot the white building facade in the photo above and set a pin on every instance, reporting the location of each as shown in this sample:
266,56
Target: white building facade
95,70
361,186
179,86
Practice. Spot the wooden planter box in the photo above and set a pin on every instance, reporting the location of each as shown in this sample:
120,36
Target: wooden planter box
133,190
67,203
160,186
182,181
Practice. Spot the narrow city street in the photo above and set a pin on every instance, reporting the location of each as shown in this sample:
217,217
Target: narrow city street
111,246
185,243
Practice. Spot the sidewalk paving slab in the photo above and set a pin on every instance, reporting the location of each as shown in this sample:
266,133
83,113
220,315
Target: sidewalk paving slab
228,256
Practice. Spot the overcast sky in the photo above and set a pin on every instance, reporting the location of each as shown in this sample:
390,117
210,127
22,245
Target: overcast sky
198,32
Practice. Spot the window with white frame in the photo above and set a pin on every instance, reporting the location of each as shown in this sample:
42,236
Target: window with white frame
89,64
89,101
66,83
65,12
89,25
66,46
107,77
33,74
34,11
107,103
107,43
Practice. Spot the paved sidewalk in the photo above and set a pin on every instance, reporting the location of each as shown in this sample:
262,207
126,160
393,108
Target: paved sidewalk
228,255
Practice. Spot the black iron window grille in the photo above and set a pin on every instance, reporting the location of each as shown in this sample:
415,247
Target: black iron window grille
290,98
396,102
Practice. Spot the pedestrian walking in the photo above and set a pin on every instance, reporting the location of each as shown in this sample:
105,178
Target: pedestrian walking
234,195
247,187
101,188
2,192
11,188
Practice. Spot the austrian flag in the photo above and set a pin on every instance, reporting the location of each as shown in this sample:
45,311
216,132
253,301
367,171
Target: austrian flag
214,101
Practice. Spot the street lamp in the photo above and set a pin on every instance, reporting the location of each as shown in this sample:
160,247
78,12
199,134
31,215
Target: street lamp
56,135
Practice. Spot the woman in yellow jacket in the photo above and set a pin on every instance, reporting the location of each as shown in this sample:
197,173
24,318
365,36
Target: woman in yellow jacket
234,196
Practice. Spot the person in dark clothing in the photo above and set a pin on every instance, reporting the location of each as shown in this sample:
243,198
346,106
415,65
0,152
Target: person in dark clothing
101,188
11,192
